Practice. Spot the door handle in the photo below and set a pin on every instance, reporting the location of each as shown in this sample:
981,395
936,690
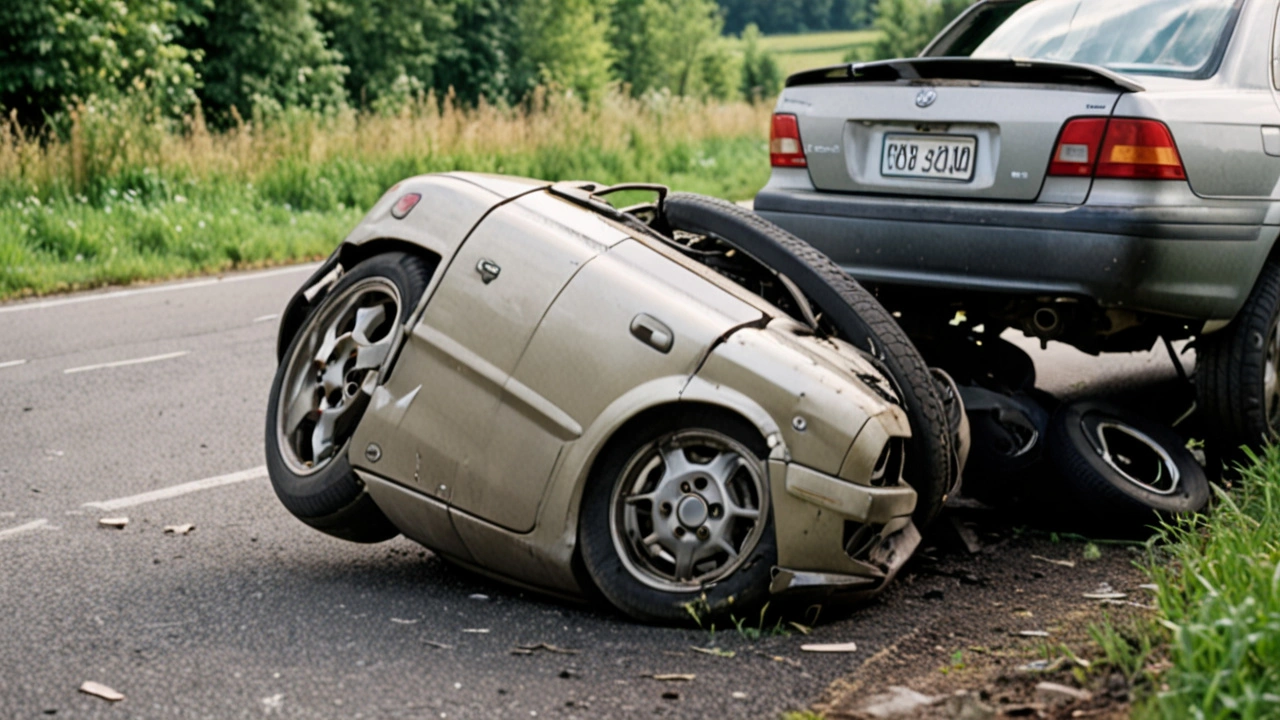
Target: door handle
652,332
488,270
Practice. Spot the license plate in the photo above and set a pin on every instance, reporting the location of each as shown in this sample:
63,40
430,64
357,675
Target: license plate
943,157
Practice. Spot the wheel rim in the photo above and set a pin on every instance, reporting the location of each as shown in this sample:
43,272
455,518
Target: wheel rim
1271,379
1133,455
332,372
688,510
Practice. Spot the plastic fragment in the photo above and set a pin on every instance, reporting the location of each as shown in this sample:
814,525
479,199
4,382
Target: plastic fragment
100,690
717,652
478,631
672,677
179,529
830,647
117,523
1051,561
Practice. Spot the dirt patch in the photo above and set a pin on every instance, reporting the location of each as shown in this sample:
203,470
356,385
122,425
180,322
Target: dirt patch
996,618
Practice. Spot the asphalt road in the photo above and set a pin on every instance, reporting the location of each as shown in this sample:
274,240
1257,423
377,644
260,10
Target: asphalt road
105,397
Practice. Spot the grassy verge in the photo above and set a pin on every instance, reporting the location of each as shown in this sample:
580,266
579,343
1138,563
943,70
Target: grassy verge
1218,608
123,199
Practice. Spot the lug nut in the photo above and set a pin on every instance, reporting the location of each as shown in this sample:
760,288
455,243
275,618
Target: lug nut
665,508
703,533
685,488
679,532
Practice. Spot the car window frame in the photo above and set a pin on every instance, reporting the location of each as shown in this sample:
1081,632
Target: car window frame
1208,70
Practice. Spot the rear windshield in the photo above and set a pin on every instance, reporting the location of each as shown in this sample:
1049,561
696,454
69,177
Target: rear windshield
1166,37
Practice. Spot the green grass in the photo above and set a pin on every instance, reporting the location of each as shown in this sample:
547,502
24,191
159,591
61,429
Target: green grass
1218,607
805,51
73,215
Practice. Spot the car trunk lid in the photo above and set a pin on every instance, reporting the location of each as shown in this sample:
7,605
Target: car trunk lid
943,127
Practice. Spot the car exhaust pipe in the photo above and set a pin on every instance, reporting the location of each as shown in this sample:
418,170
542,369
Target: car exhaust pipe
1047,322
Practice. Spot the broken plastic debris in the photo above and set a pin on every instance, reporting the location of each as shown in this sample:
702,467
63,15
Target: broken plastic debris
532,648
179,529
1050,693
672,677
478,631
435,644
718,652
738,695
830,647
478,596
1051,561
117,523
1032,633
100,690
1044,666
1105,596
402,621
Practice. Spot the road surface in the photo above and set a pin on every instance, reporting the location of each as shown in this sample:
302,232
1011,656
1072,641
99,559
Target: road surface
147,404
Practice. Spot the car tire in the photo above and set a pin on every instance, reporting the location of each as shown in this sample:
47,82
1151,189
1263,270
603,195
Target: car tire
1238,369
650,483
307,449
933,464
1119,470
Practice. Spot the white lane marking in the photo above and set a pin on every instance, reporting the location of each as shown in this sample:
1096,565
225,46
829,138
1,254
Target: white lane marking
12,363
183,489
264,318
122,363
58,302
33,525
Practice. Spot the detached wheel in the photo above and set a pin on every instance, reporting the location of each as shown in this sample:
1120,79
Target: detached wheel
1238,369
933,462
677,513
322,388
1121,469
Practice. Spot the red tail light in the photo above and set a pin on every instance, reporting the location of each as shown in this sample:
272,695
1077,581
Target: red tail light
785,149
1116,148
1077,149
1140,149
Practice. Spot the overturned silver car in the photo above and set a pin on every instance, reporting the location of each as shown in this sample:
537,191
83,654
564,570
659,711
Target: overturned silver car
671,402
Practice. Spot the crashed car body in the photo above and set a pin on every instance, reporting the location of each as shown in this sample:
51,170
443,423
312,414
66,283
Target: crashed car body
541,388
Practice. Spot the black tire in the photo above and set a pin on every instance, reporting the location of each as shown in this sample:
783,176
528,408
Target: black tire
931,466
619,570
1133,488
1231,369
327,495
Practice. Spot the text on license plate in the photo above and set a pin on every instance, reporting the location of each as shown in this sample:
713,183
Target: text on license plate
948,157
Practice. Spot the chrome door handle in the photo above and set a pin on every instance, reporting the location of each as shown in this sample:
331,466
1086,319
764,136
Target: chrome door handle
652,332
488,270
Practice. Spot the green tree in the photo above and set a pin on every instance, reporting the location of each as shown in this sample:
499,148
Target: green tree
390,47
266,55
761,76
57,52
476,59
565,43
670,44
906,26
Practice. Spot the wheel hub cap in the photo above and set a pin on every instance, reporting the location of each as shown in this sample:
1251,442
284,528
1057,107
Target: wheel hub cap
689,510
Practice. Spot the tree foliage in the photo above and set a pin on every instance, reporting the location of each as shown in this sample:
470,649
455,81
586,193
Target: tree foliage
793,16
907,26
671,44
55,53
564,43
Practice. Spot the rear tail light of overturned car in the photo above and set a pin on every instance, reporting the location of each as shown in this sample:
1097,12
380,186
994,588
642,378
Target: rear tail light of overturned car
1116,148
785,149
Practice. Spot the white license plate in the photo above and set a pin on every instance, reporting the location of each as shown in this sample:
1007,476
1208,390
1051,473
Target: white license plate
944,157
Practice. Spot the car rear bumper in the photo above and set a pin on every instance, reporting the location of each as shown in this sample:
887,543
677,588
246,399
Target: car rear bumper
1194,261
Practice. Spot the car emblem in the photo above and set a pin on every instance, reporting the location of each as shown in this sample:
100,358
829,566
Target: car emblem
925,97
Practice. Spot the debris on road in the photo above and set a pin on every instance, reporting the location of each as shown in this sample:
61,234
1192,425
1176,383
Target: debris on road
117,523
671,677
532,648
1051,693
830,647
403,621
102,691
717,652
897,702
440,645
966,535
1043,666
478,596
1051,561
570,673
738,695
1105,592
1033,633
477,631
179,529
671,695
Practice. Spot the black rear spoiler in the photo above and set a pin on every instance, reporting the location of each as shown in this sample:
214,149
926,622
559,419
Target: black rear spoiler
923,70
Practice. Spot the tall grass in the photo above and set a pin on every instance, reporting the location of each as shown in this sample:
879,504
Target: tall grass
1218,603
119,197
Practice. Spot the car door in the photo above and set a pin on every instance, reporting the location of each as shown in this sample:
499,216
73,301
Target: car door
470,338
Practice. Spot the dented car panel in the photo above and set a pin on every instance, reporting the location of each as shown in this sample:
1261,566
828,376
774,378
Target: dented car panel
545,332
